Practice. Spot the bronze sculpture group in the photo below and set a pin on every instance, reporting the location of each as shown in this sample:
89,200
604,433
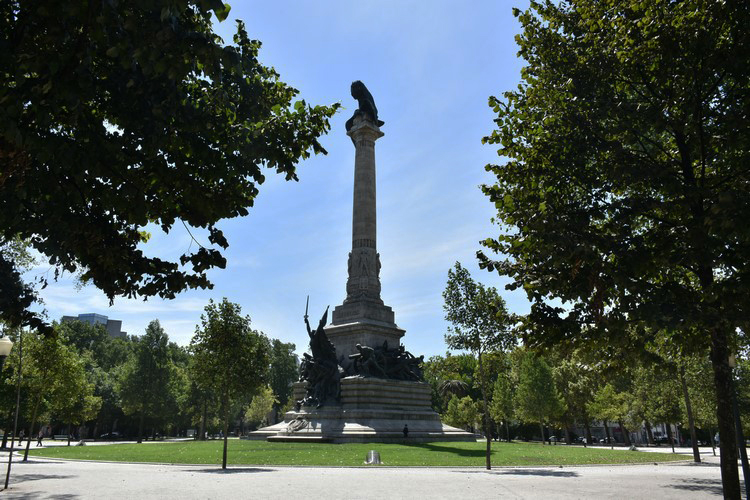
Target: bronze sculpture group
323,371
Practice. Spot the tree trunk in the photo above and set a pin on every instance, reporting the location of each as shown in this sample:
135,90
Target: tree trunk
741,444
730,478
567,433
606,432
588,432
69,425
649,433
625,434
507,431
486,419
5,434
541,428
33,424
202,434
226,430
669,436
140,428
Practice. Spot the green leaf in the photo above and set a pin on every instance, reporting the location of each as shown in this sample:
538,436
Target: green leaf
223,12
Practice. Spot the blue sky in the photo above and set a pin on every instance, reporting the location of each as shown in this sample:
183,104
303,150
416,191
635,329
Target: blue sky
430,67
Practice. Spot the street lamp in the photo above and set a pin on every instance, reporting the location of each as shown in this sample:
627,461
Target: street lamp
18,400
5,346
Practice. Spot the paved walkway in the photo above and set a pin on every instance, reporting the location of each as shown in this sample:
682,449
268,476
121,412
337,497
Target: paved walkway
68,480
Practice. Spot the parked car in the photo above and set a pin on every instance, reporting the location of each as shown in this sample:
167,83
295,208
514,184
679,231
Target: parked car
608,440
111,435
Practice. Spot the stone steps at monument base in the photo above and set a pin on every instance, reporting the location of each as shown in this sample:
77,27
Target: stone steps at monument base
343,425
384,403
299,439
400,392
356,415
380,432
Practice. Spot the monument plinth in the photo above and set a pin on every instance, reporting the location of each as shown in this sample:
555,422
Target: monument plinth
360,384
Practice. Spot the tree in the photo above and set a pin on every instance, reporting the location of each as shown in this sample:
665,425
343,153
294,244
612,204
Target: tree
536,396
145,380
453,387
17,295
45,365
698,375
461,412
115,115
83,336
283,372
610,405
625,190
657,396
502,407
73,400
261,405
480,322
200,400
448,375
230,357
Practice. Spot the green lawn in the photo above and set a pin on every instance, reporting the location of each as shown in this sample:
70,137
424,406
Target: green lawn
243,452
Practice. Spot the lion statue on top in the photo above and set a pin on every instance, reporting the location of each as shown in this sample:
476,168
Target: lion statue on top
366,105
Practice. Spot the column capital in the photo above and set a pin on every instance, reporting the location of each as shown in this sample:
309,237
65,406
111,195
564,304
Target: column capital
364,129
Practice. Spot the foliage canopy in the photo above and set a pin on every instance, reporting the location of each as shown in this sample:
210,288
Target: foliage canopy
626,190
116,115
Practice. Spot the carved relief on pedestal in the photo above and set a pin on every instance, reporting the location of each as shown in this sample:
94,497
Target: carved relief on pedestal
364,273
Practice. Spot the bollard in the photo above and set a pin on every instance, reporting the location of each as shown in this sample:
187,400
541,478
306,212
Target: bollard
373,458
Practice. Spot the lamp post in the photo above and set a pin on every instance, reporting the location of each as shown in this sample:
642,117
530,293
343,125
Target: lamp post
738,425
18,401
5,346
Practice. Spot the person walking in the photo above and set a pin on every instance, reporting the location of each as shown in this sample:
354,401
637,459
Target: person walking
20,437
39,437
406,431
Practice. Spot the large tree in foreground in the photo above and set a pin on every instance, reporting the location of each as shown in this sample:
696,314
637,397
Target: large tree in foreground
624,187
230,358
115,115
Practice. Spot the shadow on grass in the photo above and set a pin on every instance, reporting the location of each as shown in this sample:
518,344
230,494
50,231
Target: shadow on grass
524,472
230,470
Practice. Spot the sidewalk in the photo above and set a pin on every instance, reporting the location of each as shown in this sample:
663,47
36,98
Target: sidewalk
57,479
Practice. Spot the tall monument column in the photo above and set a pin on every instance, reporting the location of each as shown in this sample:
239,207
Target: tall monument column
363,318
364,261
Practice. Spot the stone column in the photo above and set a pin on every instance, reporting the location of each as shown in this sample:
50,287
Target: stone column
363,303
364,262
